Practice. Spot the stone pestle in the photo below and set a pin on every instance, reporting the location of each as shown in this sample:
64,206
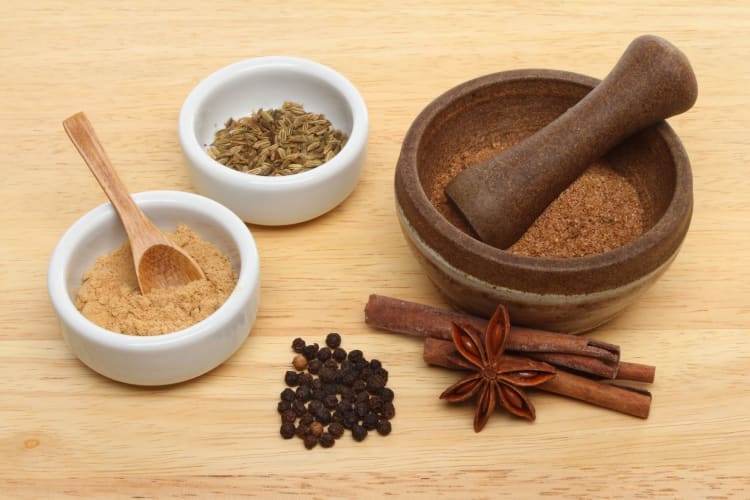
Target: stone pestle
502,196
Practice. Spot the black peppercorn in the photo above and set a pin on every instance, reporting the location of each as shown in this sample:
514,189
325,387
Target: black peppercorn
336,429
315,405
306,419
287,394
343,407
386,394
298,345
299,407
327,375
333,340
350,420
362,397
330,389
349,398
323,416
305,379
388,411
314,365
359,433
384,427
289,416
310,441
361,363
331,401
310,351
334,390
382,373
291,378
283,406
348,377
303,393
376,403
370,421
375,383
339,354
302,430
359,385
287,430
326,440
361,409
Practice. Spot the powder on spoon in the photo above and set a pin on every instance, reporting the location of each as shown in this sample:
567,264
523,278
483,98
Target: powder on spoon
109,295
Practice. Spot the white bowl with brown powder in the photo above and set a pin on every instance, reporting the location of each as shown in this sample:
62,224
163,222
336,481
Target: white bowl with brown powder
256,118
167,336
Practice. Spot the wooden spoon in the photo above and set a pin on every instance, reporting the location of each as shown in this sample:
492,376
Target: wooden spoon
159,263
502,196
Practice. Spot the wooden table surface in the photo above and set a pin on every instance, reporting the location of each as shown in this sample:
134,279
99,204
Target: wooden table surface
66,431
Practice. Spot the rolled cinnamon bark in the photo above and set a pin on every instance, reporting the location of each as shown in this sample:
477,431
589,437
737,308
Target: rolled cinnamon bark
628,400
410,318
572,352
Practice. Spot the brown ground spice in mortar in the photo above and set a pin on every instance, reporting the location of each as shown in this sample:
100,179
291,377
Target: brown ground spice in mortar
109,295
599,212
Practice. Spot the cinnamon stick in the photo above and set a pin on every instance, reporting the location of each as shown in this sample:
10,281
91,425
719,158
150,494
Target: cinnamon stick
628,400
636,372
582,364
577,353
410,318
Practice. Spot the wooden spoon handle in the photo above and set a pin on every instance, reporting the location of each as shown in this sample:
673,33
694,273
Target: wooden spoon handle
504,195
140,230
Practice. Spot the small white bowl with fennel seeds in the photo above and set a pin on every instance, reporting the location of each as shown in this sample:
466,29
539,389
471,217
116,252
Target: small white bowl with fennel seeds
267,83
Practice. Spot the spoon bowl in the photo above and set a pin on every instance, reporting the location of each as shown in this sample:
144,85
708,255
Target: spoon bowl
159,263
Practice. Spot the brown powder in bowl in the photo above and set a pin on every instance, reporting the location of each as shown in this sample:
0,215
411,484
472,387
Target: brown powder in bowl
109,295
599,212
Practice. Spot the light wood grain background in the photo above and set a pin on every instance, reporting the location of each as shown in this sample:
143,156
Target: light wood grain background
65,431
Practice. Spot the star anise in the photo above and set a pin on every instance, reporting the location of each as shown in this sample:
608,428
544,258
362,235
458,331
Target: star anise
496,376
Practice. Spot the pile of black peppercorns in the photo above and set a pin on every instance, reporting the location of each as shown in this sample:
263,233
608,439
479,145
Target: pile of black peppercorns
330,391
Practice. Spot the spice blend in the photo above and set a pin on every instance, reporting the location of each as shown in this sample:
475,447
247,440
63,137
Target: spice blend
277,141
109,295
598,212
331,391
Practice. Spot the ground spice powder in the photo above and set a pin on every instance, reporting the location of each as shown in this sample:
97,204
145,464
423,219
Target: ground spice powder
109,295
599,212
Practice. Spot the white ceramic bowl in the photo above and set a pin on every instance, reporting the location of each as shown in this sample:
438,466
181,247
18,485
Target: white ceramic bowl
266,82
160,359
